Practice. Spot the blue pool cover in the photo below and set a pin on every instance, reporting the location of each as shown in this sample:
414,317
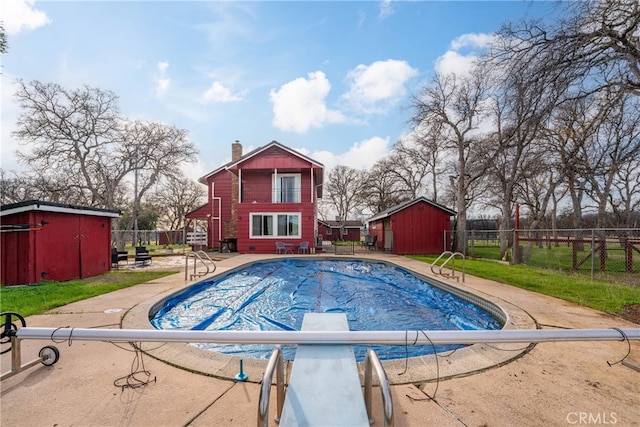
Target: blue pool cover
275,295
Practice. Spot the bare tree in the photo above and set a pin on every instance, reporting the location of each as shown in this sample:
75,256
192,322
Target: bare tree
522,104
616,143
174,198
16,187
595,44
383,190
411,164
625,201
454,105
70,132
344,189
431,154
81,135
3,39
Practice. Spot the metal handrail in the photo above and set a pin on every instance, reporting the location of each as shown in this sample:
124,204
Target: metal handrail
197,255
370,360
275,362
452,256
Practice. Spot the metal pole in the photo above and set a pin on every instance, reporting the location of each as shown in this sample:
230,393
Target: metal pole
329,337
371,360
593,253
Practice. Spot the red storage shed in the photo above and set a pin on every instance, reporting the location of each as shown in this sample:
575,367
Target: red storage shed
413,227
53,241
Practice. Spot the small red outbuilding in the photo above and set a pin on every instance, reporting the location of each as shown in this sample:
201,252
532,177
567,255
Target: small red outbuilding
413,227
53,241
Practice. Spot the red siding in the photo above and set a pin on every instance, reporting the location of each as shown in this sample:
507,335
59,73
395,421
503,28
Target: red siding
221,189
419,229
275,158
217,212
267,245
327,233
416,229
67,247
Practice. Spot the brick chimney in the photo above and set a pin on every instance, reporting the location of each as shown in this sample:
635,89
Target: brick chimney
231,226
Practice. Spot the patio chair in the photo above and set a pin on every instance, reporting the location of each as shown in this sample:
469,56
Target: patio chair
117,256
372,244
303,248
142,255
281,248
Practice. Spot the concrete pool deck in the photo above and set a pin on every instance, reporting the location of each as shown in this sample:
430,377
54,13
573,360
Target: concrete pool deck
551,384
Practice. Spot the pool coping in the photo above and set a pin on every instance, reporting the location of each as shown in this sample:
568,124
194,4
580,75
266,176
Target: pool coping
414,370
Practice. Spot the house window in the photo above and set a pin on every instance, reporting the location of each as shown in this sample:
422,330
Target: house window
275,225
286,188
261,225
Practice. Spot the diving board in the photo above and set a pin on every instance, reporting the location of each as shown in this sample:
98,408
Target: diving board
324,388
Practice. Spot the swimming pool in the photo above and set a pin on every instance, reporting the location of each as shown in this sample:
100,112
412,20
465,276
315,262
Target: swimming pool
274,295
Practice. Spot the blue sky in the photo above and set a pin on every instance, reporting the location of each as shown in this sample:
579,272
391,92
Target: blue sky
330,79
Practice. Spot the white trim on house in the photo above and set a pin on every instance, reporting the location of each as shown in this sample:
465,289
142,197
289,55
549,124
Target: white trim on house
60,208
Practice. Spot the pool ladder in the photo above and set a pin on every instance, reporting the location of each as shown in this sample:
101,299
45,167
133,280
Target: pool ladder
452,258
203,258
276,363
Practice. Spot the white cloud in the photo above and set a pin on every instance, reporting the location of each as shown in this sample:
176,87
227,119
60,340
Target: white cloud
385,9
463,52
361,155
454,63
300,104
379,86
480,40
162,82
218,93
18,15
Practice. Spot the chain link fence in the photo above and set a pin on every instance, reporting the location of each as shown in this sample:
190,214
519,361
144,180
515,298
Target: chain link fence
581,250
167,239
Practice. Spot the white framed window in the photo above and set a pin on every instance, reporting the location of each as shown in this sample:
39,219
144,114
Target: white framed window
286,188
281,224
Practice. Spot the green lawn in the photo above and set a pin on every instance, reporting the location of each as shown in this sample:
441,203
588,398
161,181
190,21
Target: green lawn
603,295
36,299
560,257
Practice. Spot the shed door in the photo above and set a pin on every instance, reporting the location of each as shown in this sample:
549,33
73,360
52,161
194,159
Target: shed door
57,251
94,256
388,236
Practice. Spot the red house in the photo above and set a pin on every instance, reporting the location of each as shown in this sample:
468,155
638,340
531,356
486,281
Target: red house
266,196
340,230
53,241
413,227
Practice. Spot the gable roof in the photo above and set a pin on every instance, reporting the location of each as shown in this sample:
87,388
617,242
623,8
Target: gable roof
401,206
274,144
339,224
255,152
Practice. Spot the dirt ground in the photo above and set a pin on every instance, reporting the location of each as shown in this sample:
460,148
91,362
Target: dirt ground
632,313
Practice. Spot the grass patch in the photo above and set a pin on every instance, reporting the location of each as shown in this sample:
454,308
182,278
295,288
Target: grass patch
36,299
598,294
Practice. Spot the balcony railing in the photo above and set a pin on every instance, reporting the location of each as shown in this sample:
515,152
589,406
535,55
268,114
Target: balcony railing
291,195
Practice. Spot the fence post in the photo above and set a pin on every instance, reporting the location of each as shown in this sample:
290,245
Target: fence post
473,242
603,253
628,255
593,255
